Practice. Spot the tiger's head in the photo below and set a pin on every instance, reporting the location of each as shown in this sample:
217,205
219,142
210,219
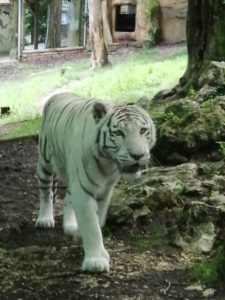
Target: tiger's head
126,134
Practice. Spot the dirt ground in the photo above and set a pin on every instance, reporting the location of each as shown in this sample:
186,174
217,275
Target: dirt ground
44,264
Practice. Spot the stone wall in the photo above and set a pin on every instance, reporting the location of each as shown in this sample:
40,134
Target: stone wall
7,33
173,20
142,24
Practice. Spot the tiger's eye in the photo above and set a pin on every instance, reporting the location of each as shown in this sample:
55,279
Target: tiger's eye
118,133
143,130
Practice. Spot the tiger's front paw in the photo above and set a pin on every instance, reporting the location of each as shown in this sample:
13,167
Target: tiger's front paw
95,265
105,254
45,222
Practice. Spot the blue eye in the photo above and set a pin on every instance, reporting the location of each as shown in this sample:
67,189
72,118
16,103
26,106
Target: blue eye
143,130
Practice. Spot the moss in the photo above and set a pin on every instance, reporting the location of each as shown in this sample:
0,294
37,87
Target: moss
189,126
152,10
210,270
153,240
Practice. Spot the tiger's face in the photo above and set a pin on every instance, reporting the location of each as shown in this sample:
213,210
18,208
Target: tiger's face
126,135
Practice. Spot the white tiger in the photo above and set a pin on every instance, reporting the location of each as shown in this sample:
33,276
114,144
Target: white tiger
89,145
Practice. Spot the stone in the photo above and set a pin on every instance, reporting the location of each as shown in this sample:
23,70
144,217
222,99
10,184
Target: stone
196,229
176,159
201,241
188,127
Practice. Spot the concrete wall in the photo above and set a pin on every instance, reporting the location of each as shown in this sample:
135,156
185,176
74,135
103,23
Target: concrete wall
142,25
7,31
172,21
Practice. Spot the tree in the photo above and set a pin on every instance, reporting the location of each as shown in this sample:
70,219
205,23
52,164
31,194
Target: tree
53,38
205,42
35,8
96,33
35,22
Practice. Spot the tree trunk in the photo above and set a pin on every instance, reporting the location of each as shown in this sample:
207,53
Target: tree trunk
105,19
205,37
96,35
36,23
53,39
205,43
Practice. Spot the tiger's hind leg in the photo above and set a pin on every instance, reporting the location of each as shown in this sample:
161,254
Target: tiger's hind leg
46,187
70,226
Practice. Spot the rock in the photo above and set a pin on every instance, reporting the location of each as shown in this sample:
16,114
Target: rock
5,110
201,241
141,212
197,227
187,127
208,293
176,159
161,188
214,76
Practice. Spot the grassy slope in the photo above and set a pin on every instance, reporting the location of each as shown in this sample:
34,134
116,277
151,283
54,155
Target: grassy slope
140,74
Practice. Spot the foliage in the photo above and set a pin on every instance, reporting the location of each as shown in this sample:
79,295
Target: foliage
29,22
222,147
130,80
210,270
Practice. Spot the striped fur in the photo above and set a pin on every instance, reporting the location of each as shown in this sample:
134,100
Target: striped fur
89,145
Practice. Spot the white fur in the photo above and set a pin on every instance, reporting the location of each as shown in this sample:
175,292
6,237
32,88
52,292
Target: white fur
71,147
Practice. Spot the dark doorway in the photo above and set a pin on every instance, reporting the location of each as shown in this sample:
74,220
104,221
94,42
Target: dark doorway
125,18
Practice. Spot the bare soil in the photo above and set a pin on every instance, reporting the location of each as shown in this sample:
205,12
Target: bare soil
44,264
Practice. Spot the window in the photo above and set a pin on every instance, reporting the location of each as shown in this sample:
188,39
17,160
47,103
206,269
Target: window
125,18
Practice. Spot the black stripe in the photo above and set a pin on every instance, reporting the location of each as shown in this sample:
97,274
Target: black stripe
105,146
98,136
44,155
83,187
46,172
85,106
62,111
43,180
99,166
88,175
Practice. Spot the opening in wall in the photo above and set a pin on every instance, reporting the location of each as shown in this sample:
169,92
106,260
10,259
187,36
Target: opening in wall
125,18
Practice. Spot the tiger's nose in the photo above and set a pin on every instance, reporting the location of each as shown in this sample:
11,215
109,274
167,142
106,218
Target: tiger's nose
136,156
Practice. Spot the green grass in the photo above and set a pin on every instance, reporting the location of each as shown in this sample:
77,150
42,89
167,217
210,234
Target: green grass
143,73
21,96
155,240
210,270
23,129
138,76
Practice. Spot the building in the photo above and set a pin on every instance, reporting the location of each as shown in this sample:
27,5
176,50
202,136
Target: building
8,26
123,20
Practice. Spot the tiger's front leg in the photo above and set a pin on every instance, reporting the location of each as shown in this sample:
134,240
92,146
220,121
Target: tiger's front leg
96,257
46,186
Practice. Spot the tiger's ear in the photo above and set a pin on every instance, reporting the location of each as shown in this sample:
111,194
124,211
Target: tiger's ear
143,102
99,111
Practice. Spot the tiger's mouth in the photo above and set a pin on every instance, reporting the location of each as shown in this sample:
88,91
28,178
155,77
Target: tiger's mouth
130,169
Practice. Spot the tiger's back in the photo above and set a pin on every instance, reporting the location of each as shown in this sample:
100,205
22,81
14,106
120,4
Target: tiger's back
66,117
